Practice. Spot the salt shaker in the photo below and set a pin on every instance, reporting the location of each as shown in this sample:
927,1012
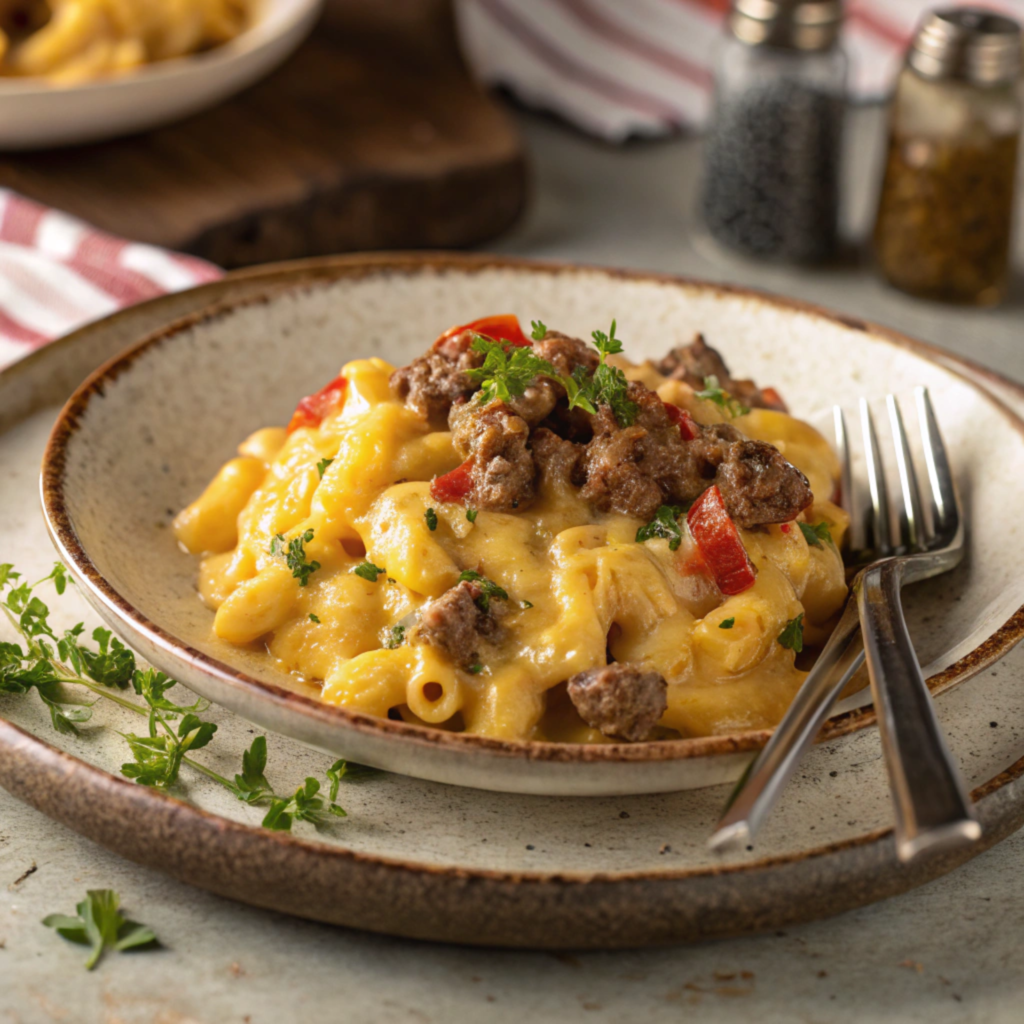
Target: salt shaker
771,176
945,212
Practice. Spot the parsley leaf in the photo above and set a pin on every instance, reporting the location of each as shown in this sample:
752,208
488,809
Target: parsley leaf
431,517
814,535
304,805
727,623
471,514
792,637
321,466
713,393
503,375
369,571
295,556
608,384
664,524
525,604
100,925
539,330
394,637
475,669
314,618
487,587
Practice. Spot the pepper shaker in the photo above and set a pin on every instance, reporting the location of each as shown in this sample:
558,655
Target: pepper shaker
945,212
772,163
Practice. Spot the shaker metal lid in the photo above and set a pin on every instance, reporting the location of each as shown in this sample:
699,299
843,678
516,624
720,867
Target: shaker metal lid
967,43
796,24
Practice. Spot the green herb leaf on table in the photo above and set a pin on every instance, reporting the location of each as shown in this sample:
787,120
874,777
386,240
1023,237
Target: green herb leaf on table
348,771
100,925
713,393
487,587
817,534
431,517
792,637
368,571
664,524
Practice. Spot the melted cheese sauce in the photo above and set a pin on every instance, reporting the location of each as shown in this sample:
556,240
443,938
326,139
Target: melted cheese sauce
579,584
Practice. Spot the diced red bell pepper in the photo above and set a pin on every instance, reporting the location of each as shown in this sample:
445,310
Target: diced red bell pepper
453,486
719,542
683,420
774,400
314,409
504,327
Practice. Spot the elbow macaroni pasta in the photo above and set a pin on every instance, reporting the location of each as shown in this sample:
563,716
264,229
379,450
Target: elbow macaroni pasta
579,584
70,41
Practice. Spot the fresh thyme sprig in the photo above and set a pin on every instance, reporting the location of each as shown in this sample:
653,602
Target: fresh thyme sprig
58,668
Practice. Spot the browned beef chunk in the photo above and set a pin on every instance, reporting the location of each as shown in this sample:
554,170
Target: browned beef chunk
455,624
433,382
503,470
694,362
759,486
565,353
620,700
557,459
635,469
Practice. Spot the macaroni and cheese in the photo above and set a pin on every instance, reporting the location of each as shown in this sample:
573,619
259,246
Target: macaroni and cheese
71,41
532,538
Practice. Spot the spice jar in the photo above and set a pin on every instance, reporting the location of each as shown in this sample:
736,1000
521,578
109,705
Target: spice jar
771,174
946,207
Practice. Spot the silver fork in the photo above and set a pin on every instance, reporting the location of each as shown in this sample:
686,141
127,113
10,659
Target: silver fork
932,810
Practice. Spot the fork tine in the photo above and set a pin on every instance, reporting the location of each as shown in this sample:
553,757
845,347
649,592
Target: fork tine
912,527
945,514
879,513
846,495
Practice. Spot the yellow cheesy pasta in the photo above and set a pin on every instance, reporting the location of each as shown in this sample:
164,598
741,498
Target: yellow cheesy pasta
530,538
70,41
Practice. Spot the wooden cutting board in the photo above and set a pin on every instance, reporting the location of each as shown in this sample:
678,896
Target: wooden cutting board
372,136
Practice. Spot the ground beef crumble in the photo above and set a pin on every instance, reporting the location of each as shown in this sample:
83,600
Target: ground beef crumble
455,623
621,700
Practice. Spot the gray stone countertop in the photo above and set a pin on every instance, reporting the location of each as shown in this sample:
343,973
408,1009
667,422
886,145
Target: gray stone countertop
951,951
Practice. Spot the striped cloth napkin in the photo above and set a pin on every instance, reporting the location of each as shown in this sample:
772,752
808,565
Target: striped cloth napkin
618,68
57,273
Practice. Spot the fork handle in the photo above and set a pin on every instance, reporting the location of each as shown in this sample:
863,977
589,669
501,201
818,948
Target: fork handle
762,784
933,811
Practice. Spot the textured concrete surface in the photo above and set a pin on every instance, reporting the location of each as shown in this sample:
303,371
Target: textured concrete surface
948,952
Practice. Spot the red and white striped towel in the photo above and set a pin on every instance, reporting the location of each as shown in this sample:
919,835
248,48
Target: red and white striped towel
618,68
57,273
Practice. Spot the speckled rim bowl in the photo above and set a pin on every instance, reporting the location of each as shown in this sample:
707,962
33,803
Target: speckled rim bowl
145,432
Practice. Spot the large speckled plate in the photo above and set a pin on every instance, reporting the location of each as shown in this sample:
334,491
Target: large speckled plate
432,861
141,438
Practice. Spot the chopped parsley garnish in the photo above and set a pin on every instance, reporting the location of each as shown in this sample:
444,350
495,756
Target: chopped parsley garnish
431,517
609,386
369,571
475,669
503,375
713,393
727,623
814,535
314,618
664,524
394,637
471,514
487,587
792,637
525,604
101,925
540,330
295,556
321,466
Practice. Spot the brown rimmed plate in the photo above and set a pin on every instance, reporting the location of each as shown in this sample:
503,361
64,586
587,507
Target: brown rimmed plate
139,439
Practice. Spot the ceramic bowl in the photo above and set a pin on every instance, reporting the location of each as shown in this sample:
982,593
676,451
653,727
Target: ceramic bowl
144,434
37,115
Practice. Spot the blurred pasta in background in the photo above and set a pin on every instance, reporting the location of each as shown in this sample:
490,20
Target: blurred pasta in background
72,41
